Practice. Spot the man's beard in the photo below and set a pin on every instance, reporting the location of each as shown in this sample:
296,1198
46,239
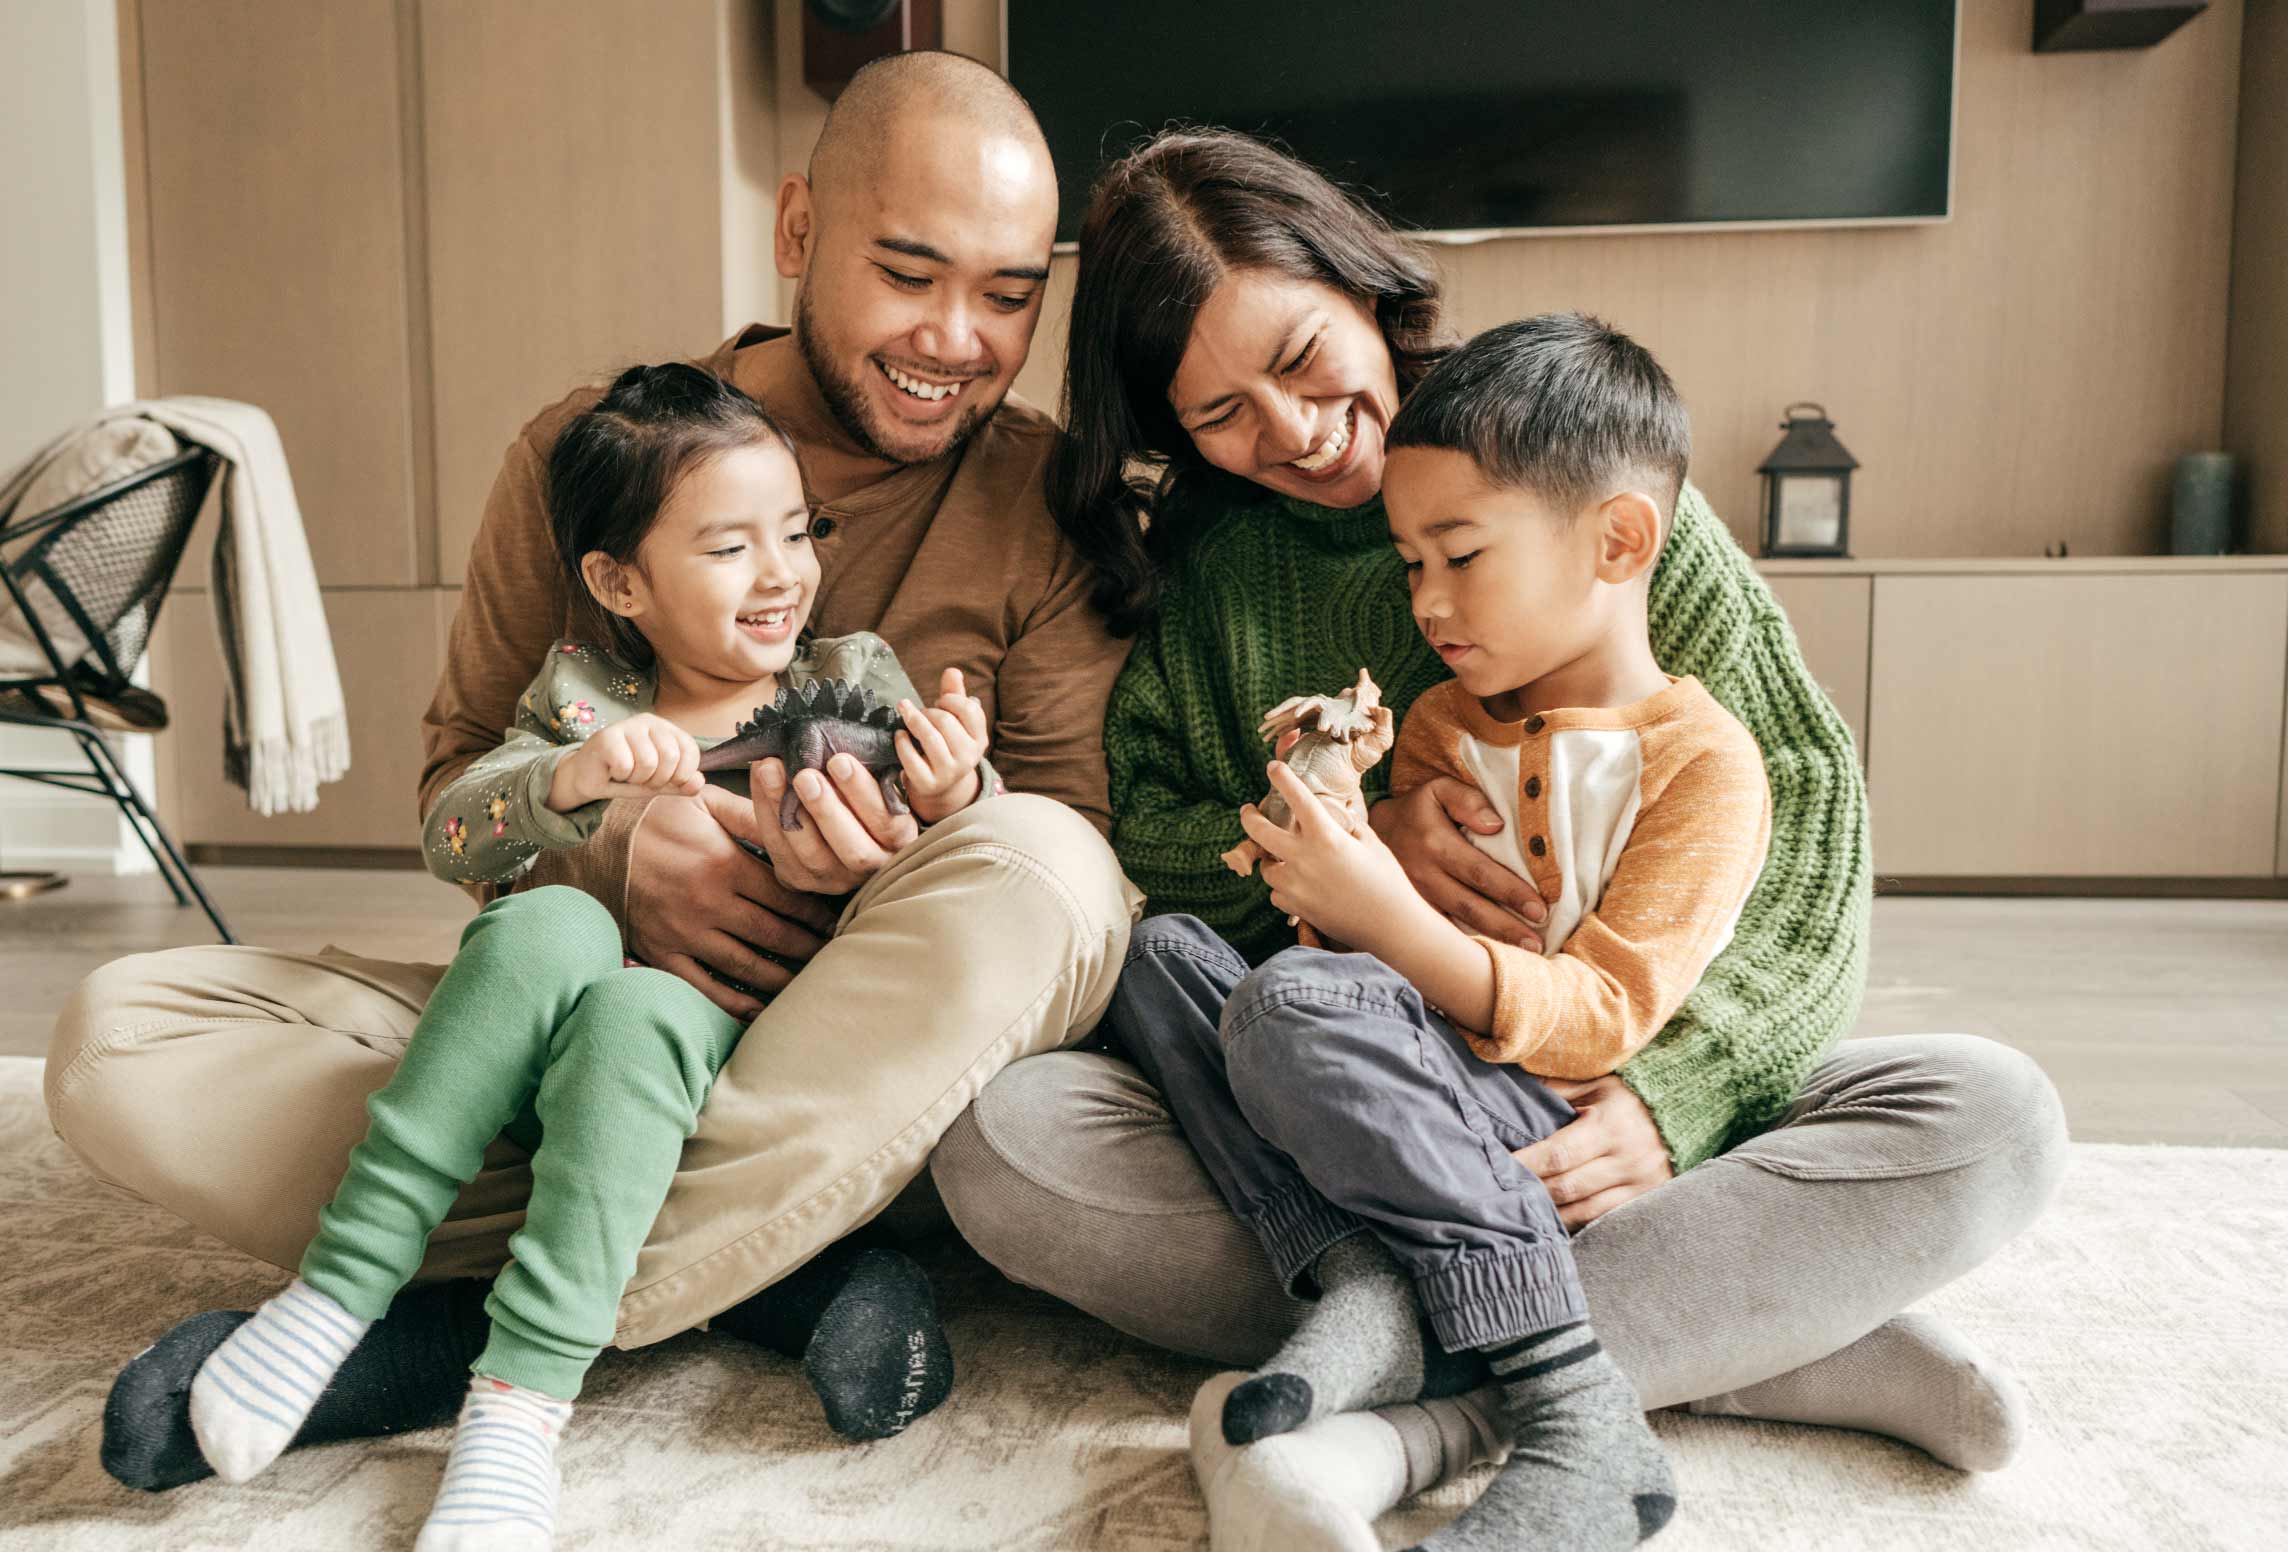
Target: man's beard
847,402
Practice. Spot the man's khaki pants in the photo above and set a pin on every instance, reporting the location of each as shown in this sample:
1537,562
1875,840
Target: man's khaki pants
228,1085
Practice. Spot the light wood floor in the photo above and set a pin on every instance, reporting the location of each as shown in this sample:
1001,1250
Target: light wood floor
2159,1020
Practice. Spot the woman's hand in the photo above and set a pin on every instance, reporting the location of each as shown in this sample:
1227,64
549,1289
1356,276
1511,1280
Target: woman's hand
851,834
644,756
1609,1153
940,748
1346,885
1468,887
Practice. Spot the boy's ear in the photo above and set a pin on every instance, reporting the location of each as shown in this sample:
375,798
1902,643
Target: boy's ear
611,584
795,226
1629,541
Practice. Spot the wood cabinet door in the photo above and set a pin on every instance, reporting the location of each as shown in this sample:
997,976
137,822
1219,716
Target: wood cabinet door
387,643
277,261
2090,726
571,181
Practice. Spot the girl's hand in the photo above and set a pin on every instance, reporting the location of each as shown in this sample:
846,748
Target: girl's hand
641,757
940,749
1345,883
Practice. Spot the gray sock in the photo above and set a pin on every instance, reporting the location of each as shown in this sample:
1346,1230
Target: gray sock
1361,1346
1916,1378
1584,1472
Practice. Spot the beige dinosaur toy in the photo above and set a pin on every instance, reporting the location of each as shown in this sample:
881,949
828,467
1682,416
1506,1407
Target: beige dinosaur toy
1330,741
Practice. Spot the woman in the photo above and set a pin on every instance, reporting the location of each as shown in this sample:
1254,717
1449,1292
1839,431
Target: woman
1249,328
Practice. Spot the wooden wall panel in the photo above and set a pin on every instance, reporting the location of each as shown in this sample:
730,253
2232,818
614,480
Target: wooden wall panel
747,77
135,156
387,644
2021,374
277,261
2123,726
571,191
1831,616
2256,380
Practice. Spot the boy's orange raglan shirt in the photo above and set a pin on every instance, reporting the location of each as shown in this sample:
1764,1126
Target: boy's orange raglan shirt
1644,827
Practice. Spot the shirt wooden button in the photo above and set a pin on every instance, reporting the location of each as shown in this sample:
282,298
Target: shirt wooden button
1533,786
1533,724
1538,846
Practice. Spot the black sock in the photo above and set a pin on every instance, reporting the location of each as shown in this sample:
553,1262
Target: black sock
865,1326
409,1372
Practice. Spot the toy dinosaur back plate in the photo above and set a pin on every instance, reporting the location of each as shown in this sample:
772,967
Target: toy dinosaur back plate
807,727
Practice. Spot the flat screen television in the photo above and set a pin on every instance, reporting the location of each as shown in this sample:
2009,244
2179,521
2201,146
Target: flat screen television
1477,116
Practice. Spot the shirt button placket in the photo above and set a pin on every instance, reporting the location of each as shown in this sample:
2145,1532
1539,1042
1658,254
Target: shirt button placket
1538,846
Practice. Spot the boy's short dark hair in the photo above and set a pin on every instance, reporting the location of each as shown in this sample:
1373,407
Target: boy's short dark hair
1563,405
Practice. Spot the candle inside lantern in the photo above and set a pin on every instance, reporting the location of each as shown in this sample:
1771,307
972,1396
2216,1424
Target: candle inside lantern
1811,512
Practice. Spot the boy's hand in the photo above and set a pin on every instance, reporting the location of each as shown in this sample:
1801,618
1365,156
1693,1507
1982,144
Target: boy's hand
641,757
1345,883
940,749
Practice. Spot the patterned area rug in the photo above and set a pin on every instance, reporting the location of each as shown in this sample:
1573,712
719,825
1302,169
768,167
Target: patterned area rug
2147,1314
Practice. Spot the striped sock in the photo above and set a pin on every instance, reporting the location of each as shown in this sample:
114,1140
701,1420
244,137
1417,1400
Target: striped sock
253,1393
1584,1471
499,1492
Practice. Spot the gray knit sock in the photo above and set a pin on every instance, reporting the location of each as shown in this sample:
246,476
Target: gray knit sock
1361,1346
1584,1472
1916,1378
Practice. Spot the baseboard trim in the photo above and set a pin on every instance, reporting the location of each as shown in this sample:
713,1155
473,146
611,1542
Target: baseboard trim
126,859
2091,888
393,858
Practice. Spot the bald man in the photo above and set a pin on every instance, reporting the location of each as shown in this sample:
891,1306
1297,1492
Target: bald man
228,1084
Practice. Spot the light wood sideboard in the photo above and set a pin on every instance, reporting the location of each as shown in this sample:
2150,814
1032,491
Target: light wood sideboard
2080,719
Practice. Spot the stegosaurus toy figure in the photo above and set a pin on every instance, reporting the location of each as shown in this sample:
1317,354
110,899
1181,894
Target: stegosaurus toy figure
805,728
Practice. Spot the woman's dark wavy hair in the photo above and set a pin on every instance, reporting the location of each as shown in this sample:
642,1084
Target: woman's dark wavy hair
1164,225
616,464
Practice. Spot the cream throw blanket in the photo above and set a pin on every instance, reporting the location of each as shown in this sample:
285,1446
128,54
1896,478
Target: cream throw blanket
285,728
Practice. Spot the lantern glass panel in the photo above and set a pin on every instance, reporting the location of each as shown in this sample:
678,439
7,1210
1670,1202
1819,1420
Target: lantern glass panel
1810,512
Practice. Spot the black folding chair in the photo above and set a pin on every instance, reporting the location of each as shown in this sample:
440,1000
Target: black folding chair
105,560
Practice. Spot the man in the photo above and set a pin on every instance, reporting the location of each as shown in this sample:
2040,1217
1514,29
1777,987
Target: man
228,1084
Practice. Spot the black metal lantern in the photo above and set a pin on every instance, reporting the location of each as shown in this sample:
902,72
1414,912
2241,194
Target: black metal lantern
1807,489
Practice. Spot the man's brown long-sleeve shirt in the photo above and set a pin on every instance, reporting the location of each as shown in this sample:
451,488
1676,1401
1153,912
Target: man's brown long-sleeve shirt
955,562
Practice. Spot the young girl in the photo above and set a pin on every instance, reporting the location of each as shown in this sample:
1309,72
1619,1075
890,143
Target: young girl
678,505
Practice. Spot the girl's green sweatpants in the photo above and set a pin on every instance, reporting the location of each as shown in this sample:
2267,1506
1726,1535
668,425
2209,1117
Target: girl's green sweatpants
541,1029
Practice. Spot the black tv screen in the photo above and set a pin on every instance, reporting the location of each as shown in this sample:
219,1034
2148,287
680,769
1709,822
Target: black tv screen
1504,114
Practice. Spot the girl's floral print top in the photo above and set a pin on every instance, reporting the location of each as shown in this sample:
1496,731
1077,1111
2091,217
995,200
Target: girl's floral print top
488,826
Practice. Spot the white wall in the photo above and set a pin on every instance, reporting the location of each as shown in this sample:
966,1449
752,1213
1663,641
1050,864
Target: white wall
65,333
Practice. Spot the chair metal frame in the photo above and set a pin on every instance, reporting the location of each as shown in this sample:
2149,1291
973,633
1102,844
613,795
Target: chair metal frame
106,776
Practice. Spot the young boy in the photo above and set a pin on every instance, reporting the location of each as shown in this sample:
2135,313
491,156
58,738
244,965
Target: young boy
1359,1109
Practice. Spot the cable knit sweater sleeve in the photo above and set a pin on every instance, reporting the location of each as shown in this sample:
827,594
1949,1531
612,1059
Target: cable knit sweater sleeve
1789,985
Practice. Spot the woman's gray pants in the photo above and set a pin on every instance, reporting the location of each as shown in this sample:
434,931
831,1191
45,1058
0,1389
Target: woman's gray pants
1904,1163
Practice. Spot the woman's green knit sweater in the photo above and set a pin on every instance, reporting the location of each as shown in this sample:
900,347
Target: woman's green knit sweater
1276,597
